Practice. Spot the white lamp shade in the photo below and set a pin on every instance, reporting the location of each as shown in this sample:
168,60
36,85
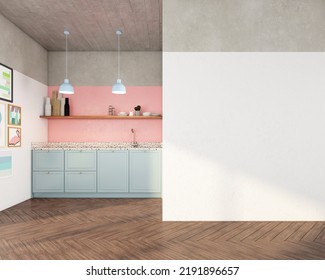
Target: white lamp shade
118,87
66,87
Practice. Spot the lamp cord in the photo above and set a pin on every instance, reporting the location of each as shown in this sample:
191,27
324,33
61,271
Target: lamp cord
66,56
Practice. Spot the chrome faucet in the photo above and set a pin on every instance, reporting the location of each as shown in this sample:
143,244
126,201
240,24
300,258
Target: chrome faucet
134,144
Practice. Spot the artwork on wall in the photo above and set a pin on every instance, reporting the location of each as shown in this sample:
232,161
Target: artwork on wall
2,125
6,83
14,115
5,163
14,136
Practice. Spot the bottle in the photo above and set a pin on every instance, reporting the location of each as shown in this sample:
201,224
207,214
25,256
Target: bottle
67,107
55,104
48,109
62,106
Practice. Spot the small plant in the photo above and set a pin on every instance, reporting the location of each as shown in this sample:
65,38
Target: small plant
137,108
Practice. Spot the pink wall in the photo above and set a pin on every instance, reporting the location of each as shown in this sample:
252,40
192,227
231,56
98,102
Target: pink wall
95,101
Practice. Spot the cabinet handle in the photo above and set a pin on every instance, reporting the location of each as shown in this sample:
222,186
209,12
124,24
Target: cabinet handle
80,172
48,172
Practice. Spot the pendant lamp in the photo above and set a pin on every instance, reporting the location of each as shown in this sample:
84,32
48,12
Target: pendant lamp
118,87
66,87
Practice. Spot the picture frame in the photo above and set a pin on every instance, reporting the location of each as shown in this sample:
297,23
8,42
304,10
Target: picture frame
6,163
14,137
14,115
3,130
6,83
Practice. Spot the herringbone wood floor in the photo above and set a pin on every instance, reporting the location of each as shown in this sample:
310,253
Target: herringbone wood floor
132,229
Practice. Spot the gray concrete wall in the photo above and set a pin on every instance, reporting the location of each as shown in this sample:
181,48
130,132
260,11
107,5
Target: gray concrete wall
100,68
20,52
244,25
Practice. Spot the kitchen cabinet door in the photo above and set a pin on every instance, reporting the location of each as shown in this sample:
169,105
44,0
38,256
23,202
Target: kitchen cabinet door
48,160
113,171
48,182
80,182
145,171
80,160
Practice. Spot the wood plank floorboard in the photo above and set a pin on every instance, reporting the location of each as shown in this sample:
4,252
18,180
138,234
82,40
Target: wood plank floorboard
123,229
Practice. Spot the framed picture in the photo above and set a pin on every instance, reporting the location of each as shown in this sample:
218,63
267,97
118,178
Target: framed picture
2,125
14,136
5,163
14,115
6,83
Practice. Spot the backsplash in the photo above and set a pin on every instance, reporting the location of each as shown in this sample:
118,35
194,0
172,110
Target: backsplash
95,101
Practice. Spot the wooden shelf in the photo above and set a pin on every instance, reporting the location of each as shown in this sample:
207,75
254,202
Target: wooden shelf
101,117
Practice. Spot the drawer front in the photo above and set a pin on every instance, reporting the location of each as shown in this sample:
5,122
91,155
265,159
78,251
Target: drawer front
80,160
113,171
80,182
48,160
145,171
48,182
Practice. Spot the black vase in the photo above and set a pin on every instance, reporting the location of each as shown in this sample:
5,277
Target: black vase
67,107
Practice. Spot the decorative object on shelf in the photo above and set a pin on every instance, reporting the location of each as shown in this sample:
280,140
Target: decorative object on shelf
6,83
55,104
62,102
137,110
118,87
66,87
111,110
48,107
67,107
2,125
146,114
5,163
14,136
131,113
62,106
14,115
123,114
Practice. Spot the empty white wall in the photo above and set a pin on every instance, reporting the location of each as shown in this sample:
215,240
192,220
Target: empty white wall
29,94
244,136
244,118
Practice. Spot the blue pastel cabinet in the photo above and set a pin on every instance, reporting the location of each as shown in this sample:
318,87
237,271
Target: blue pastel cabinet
113,171
80,182
90,173
48,182
80,171
145,171
48,160
48,171
80,160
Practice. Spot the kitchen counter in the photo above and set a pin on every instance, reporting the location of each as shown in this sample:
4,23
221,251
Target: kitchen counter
95,146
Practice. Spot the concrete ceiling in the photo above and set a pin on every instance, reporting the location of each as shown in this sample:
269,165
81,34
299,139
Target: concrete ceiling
92,23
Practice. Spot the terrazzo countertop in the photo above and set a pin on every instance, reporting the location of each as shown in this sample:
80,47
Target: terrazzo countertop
95,146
